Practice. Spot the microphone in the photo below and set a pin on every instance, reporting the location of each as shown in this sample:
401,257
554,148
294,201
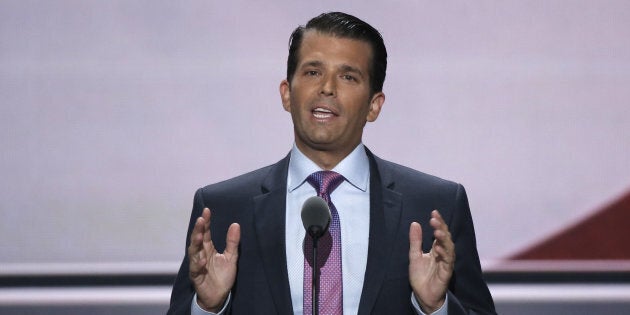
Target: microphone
316,219
315,216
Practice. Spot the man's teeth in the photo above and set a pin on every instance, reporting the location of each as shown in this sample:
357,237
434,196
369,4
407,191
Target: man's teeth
323,110
322,113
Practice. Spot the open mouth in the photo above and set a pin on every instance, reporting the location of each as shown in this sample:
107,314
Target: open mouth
322,113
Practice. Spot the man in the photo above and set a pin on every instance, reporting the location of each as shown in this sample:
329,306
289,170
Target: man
245,245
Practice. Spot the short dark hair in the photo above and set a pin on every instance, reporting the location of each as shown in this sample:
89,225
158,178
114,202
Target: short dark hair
345,26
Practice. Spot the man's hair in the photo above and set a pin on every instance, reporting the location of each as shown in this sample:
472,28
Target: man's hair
343,25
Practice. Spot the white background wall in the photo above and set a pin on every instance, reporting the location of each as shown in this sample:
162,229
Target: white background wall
112,113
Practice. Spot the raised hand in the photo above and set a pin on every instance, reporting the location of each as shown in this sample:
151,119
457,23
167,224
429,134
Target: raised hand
430,273
211,272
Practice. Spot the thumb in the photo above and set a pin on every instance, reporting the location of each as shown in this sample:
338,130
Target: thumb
415,239
233,239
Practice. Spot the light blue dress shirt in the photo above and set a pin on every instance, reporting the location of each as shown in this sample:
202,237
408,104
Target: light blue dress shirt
352,200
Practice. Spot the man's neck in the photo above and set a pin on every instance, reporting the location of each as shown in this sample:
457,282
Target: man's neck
325,159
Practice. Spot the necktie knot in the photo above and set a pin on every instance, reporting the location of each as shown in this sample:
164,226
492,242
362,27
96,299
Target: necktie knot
325,182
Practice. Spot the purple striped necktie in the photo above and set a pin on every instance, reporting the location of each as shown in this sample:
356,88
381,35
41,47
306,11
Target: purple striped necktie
329,252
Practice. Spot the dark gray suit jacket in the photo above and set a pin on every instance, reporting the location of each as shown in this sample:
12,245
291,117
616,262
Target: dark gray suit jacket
399,196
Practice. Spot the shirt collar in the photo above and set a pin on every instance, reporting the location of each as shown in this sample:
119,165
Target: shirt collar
355,168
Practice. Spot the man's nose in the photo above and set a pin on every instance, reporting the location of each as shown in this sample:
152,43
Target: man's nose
329,86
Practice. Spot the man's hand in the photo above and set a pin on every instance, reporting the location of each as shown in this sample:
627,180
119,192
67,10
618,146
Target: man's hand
430,273
212,273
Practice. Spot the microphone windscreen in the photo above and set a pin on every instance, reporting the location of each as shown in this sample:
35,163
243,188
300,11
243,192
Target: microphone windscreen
315,215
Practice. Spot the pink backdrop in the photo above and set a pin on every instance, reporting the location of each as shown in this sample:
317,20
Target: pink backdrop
112,113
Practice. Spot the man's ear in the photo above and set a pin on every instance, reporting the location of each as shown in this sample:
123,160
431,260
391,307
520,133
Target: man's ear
285,95
376,103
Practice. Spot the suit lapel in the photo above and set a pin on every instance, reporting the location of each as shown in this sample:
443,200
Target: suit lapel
269,225
385,210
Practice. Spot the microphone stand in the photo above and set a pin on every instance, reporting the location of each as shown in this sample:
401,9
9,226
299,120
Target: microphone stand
315,278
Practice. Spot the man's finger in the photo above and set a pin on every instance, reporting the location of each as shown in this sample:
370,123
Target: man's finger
199,234
206,229
196,253
443,245
440,227
437,222
441,251
196,237
415,239
233,239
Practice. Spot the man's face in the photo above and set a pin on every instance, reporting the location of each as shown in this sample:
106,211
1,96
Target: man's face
329,95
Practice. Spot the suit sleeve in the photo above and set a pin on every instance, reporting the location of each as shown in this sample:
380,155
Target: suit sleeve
468,292
183,290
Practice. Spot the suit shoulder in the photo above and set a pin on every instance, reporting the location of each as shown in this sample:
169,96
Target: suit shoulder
413,178
247,183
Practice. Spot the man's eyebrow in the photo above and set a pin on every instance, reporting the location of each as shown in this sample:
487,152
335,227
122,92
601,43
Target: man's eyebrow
342,68
312,63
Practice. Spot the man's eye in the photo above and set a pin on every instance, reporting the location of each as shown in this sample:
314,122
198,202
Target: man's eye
312,73
348,77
